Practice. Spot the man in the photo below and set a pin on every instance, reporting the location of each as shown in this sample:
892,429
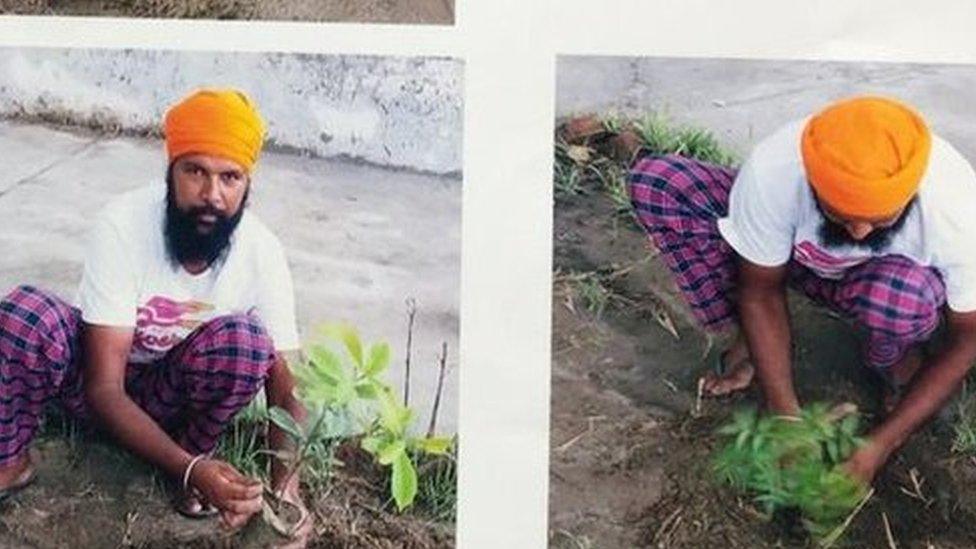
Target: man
859,207
185,309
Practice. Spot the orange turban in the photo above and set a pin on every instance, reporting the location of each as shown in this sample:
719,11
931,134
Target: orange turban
218,122
865,156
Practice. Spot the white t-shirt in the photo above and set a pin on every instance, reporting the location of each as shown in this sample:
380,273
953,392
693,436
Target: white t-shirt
129,281
773,217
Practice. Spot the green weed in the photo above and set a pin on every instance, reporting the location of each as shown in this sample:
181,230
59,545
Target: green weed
591,291
567,174
662,137
613,181
793,463
964,427
437,491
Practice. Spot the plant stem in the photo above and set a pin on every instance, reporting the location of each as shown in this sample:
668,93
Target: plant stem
832,538
411,313
440,389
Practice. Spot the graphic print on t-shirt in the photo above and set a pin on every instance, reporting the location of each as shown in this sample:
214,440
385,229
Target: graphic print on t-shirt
161,323
824,264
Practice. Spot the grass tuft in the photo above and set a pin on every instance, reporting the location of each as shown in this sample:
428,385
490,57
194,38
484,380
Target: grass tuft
594,165
662,137
964,426
437,489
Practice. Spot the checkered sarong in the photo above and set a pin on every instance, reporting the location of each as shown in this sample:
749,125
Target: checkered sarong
193,392
678,202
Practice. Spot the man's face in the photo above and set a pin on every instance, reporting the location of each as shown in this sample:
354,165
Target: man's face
874,234
206,197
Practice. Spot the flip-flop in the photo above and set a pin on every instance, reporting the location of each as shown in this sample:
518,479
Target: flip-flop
11,491
192,506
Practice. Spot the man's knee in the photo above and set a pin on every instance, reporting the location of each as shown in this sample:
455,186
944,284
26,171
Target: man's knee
235,343
908,300
32,318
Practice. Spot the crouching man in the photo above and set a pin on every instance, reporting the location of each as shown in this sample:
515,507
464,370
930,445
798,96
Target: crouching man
860,208
184,313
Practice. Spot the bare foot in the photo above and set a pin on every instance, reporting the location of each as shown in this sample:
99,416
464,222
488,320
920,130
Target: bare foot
736,378
737,372
16,474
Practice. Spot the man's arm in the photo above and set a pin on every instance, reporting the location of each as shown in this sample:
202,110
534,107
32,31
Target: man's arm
106,352
764,320
935,384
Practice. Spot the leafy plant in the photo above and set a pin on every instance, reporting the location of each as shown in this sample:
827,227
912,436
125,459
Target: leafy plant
794,463
661,137
347,396
567,174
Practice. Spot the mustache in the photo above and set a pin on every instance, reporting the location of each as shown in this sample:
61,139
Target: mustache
198,211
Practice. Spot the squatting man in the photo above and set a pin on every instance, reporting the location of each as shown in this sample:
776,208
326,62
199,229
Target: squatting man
184,312
860,207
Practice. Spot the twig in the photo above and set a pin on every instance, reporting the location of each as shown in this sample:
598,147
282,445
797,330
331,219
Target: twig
440,389
835,535
589,429
698,397
666,523
411,314
891,538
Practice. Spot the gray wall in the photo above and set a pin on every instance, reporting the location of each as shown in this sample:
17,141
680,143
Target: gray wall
389,111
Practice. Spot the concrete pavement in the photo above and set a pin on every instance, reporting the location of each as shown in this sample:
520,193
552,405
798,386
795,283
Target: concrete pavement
741,101
360,240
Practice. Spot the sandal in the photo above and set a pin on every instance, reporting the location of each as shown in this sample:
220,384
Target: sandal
25,480
192,505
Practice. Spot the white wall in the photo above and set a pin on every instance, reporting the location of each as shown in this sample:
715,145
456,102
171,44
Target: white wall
390,111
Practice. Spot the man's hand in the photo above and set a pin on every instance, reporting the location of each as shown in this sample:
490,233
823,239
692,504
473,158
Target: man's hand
236,496
863,465
937,380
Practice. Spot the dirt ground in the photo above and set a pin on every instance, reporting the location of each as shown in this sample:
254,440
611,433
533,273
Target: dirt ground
89,493
439,12
629,454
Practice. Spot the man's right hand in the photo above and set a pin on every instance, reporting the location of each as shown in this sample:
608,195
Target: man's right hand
236,496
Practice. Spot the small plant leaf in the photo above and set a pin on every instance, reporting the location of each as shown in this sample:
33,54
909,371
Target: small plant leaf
391,451
394,417
349,337
367,390
403,482
284,420
435,445
372,444
379,360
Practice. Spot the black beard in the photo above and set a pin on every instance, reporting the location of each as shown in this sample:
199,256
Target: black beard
184,243
834,235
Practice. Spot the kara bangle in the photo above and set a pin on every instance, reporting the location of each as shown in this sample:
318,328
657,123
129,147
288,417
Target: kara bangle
189,469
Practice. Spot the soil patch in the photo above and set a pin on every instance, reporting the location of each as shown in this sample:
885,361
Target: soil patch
631,449
90,493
